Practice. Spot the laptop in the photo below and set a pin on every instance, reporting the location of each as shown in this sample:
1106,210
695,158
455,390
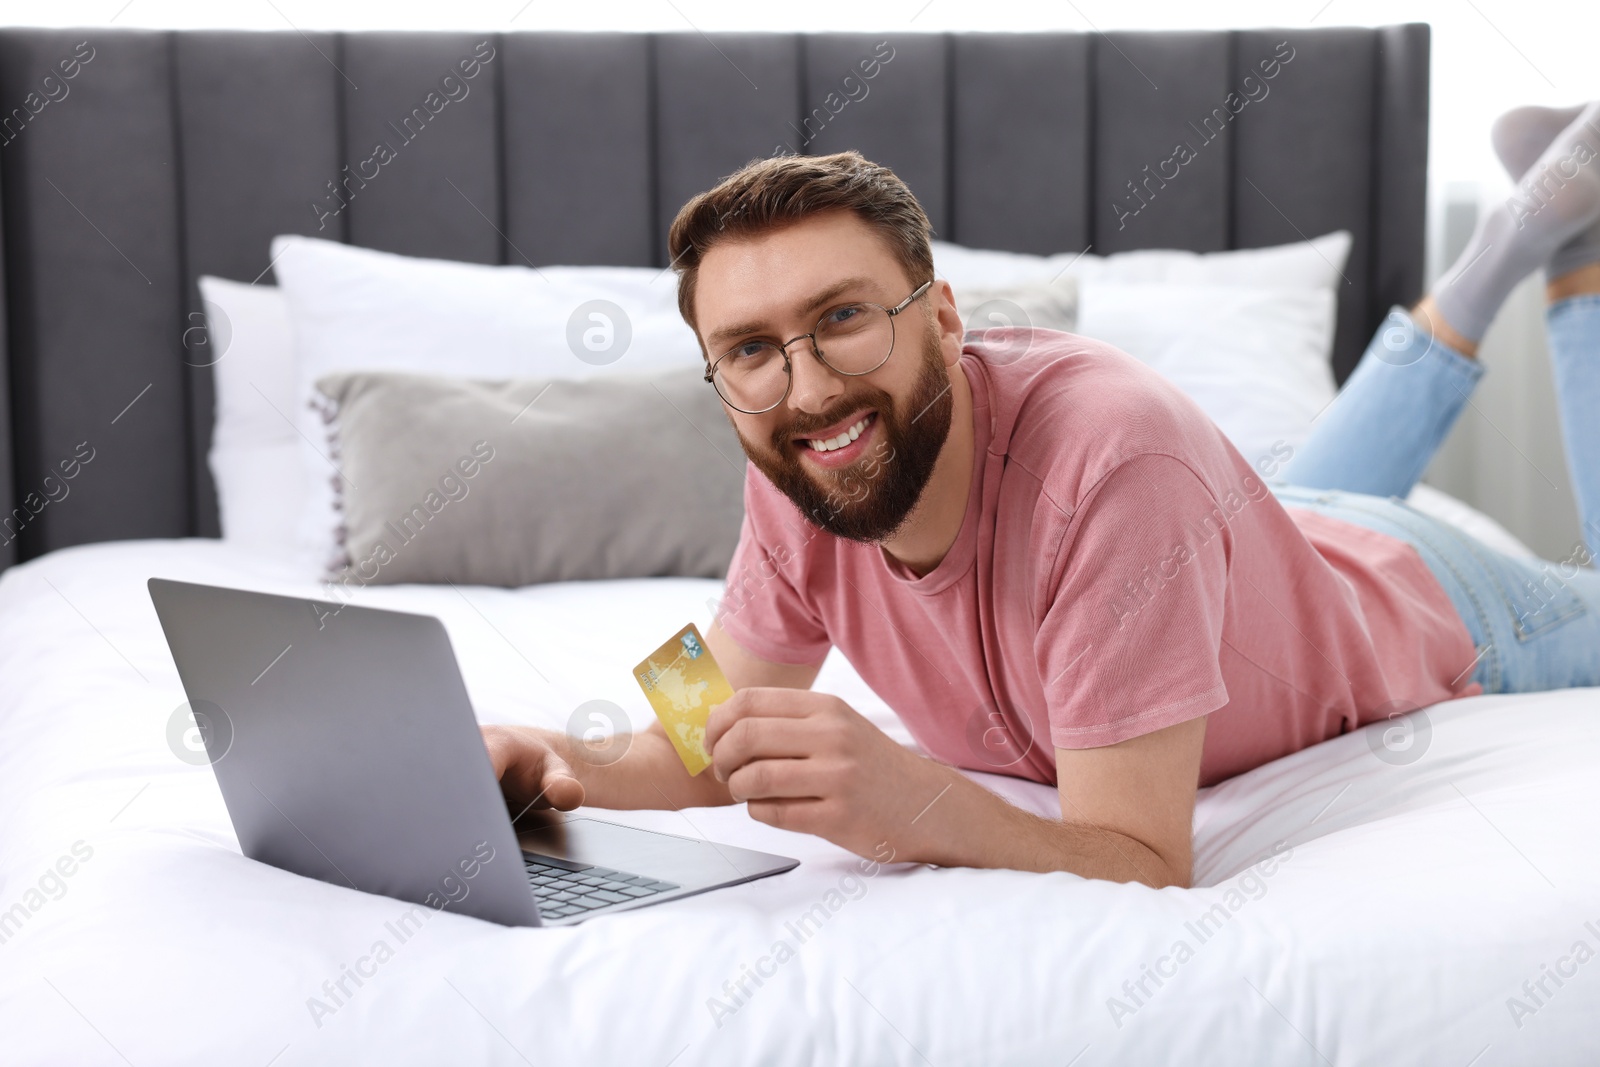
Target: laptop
347,750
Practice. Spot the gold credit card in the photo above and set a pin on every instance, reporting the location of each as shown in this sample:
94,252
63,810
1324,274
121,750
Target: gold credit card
682,682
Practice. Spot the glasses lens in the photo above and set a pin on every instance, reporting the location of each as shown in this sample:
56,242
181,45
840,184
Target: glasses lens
852,339
752,377
855,338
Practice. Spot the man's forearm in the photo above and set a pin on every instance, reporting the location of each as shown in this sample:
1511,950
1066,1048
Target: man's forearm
968,826
648,775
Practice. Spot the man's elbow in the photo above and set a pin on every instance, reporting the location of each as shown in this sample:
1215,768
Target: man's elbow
1175,877
1174,868
1158,869
1100,852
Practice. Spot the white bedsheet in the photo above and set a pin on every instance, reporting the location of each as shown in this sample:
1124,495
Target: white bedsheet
1409,903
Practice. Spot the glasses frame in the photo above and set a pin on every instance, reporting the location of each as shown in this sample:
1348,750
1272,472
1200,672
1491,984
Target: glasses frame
788,364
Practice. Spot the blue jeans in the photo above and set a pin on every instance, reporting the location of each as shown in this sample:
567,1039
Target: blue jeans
1536,624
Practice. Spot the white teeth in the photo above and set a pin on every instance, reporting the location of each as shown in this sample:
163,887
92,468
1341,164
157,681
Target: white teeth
831,443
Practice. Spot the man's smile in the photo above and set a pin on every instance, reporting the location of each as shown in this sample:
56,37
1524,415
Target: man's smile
839,444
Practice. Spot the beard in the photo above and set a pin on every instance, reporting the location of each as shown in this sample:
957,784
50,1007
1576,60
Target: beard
869,500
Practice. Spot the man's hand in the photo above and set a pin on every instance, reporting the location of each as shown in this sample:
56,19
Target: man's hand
547,769
531,770
809,762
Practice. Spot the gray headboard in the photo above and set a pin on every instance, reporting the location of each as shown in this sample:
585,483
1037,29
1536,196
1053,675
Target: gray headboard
168,155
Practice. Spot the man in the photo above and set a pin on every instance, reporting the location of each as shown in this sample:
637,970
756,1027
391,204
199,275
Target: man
1049,562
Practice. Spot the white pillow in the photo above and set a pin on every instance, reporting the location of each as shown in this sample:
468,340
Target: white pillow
1312,264
359,309
1255,359
255,452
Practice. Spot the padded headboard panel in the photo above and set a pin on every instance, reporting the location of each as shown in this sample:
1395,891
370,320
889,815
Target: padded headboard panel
175,154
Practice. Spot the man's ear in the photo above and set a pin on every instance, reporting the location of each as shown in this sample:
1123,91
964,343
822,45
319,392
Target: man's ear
947,321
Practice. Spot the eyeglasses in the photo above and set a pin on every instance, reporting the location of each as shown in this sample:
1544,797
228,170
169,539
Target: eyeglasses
851,339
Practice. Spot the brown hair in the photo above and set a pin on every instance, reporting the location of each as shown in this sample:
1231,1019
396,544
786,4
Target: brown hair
766,194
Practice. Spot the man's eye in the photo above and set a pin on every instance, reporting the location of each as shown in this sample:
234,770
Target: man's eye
840,316
752,350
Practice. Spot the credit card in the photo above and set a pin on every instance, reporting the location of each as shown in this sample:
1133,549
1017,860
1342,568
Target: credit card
682,682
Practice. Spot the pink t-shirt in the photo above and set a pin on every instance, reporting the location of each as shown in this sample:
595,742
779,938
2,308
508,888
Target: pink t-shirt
1120,568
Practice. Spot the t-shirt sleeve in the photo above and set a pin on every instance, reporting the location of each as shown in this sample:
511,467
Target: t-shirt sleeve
762,605
1131,637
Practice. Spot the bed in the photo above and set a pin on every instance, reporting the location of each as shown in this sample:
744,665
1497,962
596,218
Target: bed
1369,912
1351,904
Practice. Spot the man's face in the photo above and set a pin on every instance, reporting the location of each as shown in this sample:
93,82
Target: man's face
775,286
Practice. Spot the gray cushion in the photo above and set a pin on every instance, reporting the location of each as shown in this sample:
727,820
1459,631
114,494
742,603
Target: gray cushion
513,483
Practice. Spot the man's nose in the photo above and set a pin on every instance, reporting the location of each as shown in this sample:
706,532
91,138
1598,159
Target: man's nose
815,384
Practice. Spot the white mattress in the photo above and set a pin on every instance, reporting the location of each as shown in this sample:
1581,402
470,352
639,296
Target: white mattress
1413,901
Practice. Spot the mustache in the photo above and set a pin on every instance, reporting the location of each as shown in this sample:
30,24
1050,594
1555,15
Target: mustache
800,426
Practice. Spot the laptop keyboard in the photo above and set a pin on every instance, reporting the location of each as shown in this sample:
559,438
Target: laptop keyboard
565,888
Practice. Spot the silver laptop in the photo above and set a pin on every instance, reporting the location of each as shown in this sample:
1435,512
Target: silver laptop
347,750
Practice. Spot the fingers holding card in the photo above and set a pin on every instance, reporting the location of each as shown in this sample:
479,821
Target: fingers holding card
682,682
